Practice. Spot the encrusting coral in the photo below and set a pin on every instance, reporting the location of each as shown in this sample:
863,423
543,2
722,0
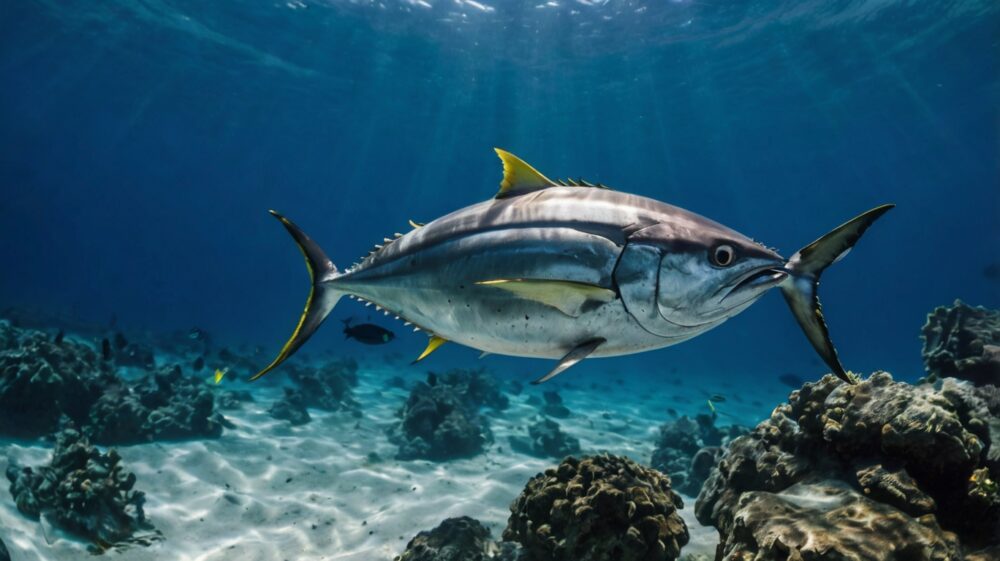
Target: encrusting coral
962,341
440,419
688,449
457,539
546,440
81,490
598,508
42,380
879,470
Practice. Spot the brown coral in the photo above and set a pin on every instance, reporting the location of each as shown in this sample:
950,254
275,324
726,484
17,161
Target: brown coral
600,508
962,341
914,461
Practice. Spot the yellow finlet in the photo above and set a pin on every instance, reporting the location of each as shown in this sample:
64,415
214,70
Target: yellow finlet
416,225
519,177
432,346
568,297
220,373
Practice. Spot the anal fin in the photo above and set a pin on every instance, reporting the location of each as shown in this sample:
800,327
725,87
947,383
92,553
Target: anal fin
578,353
432,346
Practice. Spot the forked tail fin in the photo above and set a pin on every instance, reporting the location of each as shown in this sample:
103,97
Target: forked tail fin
322,298
805,268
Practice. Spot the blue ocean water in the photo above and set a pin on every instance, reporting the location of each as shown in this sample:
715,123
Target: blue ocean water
141,144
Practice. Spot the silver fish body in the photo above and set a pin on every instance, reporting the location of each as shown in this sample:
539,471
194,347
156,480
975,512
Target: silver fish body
560,271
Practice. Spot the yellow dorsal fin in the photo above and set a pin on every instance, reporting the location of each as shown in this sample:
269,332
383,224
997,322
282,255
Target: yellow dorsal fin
432,346
519,177
569,297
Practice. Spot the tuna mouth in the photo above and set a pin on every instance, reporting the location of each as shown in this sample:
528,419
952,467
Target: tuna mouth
760,279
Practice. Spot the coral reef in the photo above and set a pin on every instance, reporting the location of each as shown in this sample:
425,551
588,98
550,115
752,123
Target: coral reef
164,405
440,420
963,342
327,387
457,539
902,472
291,407
437,424
688,449
553,406
232,399
546,440
81,490
41,381
479,388
599,508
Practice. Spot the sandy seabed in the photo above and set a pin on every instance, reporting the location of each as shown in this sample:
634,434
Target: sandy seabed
267,491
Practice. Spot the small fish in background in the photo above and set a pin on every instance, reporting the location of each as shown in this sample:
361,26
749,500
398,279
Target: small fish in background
711,407
120,341
58,339
197,334
105,349
432,379
671,411
367,333
198,364
717,398
791,380
992,271
220,373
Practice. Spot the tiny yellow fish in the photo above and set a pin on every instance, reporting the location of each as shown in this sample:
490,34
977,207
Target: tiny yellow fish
220,373
711,406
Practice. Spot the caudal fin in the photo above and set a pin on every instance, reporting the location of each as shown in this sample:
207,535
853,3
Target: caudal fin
322,298
801,288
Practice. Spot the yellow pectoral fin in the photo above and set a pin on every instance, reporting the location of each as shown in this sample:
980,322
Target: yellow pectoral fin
432,346
569,297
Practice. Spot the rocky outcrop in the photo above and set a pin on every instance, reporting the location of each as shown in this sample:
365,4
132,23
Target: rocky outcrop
42,380
688,449
4,554
328,387
438,423
457,539
599,508
901,471
479,388
546,440
82,491
164,405
553,406
963,342
291,407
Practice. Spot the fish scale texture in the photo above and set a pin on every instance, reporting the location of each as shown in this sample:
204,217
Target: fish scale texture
599,508
880,470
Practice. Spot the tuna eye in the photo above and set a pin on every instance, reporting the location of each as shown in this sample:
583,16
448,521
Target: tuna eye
723,255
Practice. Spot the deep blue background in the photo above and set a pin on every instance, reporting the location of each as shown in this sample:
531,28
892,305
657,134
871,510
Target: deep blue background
142,142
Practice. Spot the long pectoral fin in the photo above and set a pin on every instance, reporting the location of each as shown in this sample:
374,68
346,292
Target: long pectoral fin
569,297
578,353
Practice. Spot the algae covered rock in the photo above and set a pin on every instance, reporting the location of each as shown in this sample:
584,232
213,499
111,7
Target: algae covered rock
963,342
291,407
82,490
598,508
901,472
687,449
42,380
440,419
163,405
457,539
546,440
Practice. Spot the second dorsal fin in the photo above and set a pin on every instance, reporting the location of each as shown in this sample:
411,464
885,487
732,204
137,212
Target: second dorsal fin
519,177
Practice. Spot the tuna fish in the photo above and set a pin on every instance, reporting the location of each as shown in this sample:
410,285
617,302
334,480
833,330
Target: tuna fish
568,270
